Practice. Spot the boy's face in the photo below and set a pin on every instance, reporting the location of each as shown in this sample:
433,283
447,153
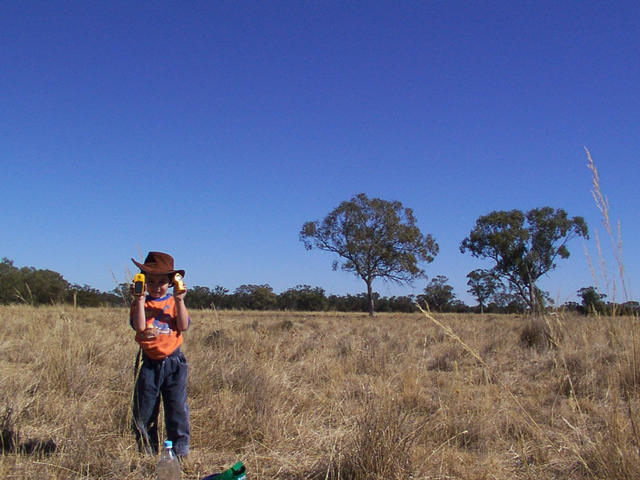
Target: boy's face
157,285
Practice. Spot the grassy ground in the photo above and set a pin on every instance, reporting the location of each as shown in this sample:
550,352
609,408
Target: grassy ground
331,396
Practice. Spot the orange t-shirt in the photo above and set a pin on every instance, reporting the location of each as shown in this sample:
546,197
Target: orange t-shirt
161,337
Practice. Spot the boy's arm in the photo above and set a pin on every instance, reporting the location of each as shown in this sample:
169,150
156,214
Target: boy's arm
138,320
182,314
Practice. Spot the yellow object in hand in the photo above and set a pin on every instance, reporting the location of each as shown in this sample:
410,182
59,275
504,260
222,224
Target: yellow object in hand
178,284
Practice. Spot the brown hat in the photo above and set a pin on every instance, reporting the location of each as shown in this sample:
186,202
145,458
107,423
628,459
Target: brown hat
158,263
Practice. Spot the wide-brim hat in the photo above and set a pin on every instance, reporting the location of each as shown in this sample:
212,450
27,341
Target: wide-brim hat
158,263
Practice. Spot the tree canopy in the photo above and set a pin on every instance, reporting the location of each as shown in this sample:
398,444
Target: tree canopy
592,300
439,294
303,297
483,285
524,246
373,238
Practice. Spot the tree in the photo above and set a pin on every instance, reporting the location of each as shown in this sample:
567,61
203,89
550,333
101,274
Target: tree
404,303
8,281
483,285
350,303
438,294
592,300
86,296
199,297
543,300
40,287
374,238
571,306
255,297
123,291
220,297
505,301
303,298
524,246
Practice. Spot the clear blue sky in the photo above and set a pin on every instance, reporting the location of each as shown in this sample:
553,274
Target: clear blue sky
214,130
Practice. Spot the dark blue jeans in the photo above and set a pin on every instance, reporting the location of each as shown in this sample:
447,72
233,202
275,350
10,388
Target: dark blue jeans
167,379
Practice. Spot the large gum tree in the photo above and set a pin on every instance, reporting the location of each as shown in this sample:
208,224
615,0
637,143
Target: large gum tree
373,238
524,246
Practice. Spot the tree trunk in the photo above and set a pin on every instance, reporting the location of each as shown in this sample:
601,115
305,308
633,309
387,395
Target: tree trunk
370,298
533,301
532,296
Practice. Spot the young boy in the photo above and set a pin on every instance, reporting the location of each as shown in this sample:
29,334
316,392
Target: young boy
159,320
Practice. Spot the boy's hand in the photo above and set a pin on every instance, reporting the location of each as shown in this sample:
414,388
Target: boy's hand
180,294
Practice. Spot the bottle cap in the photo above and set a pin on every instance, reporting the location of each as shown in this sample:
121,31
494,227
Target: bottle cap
168,444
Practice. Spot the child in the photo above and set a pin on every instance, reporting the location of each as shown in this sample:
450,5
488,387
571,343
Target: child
159,320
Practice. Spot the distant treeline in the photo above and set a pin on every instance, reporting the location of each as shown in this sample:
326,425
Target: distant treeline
45,287
32,286
307,298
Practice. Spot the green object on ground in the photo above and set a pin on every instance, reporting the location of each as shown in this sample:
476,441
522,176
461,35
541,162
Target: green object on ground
237,472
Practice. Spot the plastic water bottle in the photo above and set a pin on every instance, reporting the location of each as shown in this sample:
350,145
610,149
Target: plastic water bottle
237,472
168,465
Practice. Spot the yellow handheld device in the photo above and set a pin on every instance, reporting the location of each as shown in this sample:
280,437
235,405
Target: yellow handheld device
138,284
178,284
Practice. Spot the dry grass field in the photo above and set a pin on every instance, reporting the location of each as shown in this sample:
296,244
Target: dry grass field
331,396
